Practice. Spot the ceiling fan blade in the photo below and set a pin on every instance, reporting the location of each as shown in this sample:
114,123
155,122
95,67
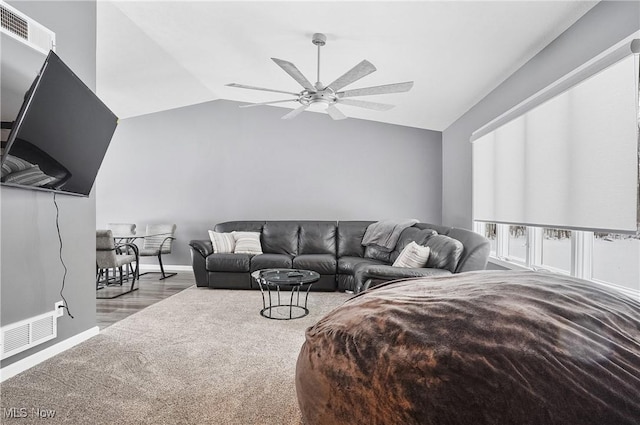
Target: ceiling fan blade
242,86
295,73
335,113
268,103
387,88
368,105
295,112
362,69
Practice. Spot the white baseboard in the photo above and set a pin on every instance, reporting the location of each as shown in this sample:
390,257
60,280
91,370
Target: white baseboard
28,362
167,268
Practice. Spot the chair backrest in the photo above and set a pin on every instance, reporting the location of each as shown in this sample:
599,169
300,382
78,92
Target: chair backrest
105,249
162,231
122,229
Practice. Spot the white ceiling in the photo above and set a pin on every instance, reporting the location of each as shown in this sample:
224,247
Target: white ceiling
159,55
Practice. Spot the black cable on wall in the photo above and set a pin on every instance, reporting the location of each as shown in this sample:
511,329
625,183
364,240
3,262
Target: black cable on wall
64,277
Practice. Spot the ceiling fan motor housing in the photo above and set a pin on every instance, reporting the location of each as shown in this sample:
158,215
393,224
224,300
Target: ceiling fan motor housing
325,95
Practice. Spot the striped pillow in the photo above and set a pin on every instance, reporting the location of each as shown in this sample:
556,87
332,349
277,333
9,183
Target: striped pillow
413,256
247,243
30,177
223,243
13,164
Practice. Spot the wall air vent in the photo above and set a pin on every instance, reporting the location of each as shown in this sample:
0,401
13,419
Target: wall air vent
28,333
20,27
14,23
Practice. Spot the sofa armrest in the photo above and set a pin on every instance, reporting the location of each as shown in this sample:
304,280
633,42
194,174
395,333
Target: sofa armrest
369,275
203,247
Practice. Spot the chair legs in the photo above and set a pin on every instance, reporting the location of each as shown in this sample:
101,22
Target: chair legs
164,275
99,275
162,272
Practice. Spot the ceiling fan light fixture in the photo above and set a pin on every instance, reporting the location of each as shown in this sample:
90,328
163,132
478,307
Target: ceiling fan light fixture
318,107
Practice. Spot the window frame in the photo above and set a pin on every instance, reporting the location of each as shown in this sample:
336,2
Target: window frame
581,254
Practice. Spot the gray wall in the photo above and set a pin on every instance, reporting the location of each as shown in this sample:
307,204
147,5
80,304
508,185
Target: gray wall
200,165
603,26
31,274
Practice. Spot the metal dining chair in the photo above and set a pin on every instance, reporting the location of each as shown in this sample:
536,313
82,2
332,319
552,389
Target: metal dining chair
157,243
108,258
124,229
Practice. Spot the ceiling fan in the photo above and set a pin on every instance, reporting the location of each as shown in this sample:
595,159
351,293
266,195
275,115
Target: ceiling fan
330,95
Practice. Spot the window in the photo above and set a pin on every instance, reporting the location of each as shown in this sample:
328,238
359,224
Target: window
556,249
567,158
616,260
488,230
517,246
610,259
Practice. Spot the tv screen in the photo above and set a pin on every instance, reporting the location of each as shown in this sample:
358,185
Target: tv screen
60,136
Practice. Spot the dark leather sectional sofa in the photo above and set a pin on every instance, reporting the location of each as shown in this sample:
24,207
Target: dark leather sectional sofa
334,250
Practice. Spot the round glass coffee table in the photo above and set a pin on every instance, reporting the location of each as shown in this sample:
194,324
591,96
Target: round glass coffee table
275,280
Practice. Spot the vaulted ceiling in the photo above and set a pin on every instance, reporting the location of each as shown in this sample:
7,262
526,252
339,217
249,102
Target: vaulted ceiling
159,55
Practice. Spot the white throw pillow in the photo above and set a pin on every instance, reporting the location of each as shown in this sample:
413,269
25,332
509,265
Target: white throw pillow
223,243
247,243
413,256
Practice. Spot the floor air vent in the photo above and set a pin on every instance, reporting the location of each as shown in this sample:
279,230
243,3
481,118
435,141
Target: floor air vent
28,333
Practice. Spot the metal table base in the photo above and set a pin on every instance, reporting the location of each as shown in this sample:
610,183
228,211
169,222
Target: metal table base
267,310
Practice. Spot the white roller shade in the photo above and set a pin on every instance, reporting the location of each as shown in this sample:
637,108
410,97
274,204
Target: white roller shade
570,162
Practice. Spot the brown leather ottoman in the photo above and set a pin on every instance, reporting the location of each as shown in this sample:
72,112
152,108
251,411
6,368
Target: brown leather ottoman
475,348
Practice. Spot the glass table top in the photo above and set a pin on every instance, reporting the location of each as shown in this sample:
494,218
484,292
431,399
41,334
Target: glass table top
285,276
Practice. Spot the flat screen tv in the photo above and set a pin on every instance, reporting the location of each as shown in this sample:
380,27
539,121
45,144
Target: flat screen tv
60,136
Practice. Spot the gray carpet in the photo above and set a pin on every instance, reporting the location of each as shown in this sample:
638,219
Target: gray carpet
199,357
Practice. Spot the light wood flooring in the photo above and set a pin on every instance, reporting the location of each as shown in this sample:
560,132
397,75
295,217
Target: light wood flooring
151,290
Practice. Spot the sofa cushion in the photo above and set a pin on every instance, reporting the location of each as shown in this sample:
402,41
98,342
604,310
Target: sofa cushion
228,262
247,243
271,261
346,265
317,237
411,234
445,252
321,263
280,237
350,235
412,256
376,253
